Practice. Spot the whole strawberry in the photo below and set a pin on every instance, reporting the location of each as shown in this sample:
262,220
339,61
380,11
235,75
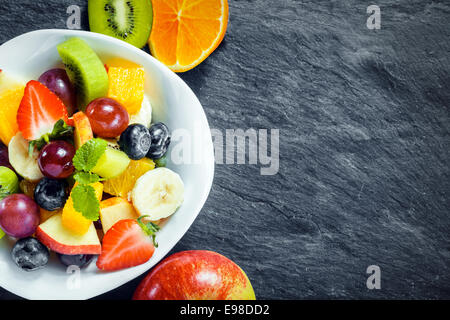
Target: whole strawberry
128,243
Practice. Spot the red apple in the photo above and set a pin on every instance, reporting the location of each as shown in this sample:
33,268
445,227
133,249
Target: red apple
56,237
195,275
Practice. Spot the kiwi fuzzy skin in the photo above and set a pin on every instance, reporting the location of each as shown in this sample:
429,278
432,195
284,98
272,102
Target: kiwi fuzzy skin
103,18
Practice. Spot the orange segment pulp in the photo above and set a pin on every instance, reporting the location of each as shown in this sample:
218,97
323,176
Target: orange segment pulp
9,104
123,184
126,85
73,220
121,62
185,33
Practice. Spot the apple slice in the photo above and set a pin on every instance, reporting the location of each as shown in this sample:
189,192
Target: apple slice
57,238
115,209
83,129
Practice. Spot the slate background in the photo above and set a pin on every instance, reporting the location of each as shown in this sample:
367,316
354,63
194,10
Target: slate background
364,149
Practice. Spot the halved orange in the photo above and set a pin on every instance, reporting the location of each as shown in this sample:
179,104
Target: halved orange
186,32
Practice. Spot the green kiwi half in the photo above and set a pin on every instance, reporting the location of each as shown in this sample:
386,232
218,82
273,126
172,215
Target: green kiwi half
85,70
127,20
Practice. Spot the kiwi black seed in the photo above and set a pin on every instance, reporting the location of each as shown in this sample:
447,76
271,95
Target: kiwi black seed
128,20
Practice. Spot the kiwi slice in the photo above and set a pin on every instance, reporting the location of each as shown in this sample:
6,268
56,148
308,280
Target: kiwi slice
85,70
9,183
127,20
111,164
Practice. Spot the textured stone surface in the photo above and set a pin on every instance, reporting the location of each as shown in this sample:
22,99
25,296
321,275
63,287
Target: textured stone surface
364,119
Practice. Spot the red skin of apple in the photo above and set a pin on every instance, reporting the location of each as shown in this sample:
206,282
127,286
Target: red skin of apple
62,248
195,275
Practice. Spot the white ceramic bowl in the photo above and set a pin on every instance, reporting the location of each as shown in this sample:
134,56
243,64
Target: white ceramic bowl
173,102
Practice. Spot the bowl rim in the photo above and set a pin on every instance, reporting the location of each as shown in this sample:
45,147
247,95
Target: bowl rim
209,166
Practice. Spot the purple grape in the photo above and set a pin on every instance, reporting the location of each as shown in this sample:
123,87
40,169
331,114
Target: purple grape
58,82
55,159
19,216
4,157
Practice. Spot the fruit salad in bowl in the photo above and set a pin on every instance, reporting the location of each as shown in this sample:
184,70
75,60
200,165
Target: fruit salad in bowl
86,179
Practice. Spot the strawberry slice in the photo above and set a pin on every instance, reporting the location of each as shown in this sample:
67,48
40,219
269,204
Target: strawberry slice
39,110
128,243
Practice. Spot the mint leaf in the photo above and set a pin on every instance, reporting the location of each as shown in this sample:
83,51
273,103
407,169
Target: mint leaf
85,201
88,155
86,177
83,194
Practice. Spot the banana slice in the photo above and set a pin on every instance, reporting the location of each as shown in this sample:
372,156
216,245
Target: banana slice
144,116
158,193
24,164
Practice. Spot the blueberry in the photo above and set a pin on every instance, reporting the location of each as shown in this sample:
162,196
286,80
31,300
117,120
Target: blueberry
29,254
135,141
160,140
80,260
50,194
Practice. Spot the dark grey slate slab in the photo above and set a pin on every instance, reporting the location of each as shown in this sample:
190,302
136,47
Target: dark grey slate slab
364,120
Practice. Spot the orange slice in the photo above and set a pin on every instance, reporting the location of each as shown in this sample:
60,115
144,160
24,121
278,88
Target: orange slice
123,184
9,104
126,85
185,33
73,220
121,62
